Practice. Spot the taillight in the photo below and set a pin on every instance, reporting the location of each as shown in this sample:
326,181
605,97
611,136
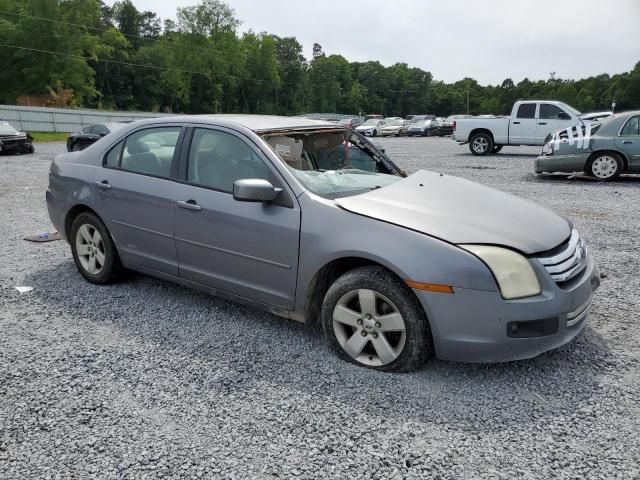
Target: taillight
454,126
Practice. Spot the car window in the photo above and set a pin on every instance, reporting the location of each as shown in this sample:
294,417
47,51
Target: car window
550,112
527,110
632,127
150,151
85,130
217,159
112,158
99,129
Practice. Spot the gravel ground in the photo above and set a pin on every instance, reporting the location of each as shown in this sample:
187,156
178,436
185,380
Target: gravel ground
147,379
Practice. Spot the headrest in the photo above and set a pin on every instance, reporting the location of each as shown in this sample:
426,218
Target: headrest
137,147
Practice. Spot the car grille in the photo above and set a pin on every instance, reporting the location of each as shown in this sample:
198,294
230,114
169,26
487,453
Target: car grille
568,260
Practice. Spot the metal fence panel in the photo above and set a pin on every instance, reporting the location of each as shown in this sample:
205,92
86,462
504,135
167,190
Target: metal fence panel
44,119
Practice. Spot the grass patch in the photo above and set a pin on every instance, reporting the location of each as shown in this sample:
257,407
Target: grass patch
39,137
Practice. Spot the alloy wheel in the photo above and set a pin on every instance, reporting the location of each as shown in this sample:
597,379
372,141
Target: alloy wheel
90,249
369,327
480,145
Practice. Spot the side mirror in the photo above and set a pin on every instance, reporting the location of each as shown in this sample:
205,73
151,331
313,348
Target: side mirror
564,116
254,190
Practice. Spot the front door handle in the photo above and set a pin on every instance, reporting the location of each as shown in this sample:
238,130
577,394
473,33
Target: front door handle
189,205
627,142
103,185
542,123
516,123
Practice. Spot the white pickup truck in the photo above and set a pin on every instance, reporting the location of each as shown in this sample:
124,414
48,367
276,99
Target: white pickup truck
529,124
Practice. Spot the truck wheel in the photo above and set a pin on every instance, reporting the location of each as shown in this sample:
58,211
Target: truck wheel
496,148
604,166
481,144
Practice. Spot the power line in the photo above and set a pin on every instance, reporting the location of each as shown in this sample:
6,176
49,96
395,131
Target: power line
101,30
191,72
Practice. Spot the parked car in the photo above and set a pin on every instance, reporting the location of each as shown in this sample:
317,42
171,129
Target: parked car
13,140
372,127
396,127
613,147
277,212
445,127
373,116
417,118
350,123
90,134
529,124
424,128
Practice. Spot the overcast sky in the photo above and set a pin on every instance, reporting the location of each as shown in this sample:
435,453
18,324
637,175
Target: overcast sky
488,40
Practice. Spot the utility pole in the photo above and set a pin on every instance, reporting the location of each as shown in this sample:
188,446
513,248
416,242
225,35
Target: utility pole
467,99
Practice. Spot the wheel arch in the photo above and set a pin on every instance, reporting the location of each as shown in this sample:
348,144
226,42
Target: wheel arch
328,274
476,131
74,212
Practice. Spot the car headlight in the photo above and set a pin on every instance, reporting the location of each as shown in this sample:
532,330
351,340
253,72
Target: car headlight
513,272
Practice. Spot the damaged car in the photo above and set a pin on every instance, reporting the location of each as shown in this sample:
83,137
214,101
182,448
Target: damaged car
310,221
13,140
599,150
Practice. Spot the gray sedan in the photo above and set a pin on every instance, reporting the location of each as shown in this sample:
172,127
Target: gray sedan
312,222
601,150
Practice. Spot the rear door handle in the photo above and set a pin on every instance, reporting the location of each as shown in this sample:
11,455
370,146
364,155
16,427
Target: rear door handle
516,123
542,123
627,142
103,185
189,205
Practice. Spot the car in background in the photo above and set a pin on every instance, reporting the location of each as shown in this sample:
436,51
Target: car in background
417,118
90,134
529,124
350,123
394,268
445,126
373,116
396,127
425,128
372,127
13,140
612,148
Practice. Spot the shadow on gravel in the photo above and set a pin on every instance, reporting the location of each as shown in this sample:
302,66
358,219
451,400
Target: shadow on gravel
239,350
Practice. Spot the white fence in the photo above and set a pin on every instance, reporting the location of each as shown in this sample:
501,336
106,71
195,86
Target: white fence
42,119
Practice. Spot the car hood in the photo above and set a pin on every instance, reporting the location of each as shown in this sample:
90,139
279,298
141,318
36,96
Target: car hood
367,127
460,211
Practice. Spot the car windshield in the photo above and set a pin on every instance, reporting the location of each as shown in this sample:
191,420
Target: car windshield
573,111
330,163
7,129
394,122
371,121
421,123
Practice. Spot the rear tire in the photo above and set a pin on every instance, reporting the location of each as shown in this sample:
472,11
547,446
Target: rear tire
604,166
375,133
94,253
481,144
372,319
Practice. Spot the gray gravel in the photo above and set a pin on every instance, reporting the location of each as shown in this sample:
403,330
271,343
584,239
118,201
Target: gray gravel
147,379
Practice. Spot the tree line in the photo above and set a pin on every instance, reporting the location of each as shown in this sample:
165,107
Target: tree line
85,53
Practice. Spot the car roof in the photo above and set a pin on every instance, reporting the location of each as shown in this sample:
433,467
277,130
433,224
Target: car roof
257,123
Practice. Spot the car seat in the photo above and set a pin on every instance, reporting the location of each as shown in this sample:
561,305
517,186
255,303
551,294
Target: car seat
141,160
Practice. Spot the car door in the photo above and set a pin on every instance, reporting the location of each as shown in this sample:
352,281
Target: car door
551,118
133,194
246,249
629,142
522,129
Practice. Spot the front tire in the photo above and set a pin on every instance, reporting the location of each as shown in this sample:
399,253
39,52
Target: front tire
375,133
372,319
93,251
481,144
604,166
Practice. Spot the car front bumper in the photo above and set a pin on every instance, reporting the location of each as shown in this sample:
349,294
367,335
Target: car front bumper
561,163
474,326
